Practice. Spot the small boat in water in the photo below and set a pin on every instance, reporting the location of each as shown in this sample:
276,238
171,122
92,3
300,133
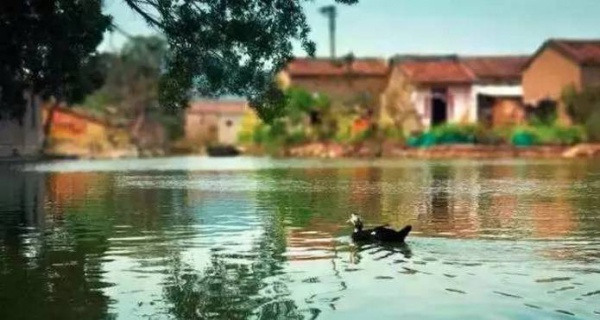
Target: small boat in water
222,151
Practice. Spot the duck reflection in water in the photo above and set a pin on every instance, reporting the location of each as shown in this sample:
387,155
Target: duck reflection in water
380,251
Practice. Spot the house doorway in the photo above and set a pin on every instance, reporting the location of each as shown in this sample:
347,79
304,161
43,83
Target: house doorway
439,106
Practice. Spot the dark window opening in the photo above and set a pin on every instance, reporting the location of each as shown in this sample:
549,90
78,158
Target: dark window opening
439,107
315,117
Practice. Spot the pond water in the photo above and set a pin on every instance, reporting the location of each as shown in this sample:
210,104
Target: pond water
251,238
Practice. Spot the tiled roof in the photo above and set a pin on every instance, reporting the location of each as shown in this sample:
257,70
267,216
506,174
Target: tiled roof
432,70
503,68
328,67
218,106
584,52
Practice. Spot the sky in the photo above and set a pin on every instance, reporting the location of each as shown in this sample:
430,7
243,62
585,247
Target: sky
383,28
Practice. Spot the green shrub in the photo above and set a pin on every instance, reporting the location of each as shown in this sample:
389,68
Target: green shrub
393,133
298,136
548,135
455,133
584,108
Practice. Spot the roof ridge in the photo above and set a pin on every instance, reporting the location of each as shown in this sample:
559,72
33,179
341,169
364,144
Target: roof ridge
497,56
578,40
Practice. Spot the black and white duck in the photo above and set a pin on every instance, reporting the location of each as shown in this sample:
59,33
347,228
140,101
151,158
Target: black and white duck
379,234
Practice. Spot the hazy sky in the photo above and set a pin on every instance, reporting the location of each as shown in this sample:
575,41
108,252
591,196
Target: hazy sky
387,27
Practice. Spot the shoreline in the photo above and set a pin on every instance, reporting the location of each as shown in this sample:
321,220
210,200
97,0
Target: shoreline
465,151
372,151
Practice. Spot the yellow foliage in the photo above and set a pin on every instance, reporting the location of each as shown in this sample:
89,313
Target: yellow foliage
247,126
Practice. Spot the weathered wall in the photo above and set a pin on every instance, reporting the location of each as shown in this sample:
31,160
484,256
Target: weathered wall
341,89
229,127
463,106
548,75
201,126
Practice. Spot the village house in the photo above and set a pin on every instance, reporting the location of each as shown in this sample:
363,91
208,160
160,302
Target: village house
497,90
211,121
76,133
557,65
24,136
347,82
454,89
438,88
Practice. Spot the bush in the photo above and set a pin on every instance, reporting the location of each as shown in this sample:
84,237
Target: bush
455,133
393,133
298,136
584,108
548,135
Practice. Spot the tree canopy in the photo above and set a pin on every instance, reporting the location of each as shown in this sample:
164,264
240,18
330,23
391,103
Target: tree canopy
216,47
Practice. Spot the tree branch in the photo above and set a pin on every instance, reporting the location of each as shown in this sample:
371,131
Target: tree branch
151,20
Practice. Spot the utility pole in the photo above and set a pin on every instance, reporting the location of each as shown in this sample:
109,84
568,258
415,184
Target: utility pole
331,13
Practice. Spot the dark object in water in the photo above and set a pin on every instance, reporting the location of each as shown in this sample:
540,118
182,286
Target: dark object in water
222,151
379,234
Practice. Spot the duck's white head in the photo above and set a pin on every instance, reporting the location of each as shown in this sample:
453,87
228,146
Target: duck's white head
356,222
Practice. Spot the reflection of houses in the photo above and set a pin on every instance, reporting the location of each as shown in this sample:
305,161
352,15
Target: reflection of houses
347,82
215,121
459,90
559,64
67,189
450,202
22,136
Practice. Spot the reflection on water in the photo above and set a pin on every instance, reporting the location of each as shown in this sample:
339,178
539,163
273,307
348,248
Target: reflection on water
173,239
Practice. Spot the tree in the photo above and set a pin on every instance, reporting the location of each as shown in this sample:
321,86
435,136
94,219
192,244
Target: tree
45,48
583,107
131,87
216,47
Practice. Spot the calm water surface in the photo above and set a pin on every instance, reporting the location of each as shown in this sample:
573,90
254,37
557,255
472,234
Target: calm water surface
247,238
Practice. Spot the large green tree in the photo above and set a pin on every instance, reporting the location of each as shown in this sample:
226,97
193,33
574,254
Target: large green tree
46,47
216,47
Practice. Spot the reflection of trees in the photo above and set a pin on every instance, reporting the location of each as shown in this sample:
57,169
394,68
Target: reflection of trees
232,285
51,272
53,269
301,196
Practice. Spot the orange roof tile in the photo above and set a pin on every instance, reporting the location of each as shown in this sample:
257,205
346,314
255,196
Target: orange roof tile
585,52
581,52
328,67
218,106
436,70
503,68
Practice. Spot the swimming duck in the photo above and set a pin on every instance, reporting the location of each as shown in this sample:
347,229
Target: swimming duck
380,234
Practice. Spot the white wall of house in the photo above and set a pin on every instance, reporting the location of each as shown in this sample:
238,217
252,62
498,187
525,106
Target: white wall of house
464,101
229,127
463,109
25,137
